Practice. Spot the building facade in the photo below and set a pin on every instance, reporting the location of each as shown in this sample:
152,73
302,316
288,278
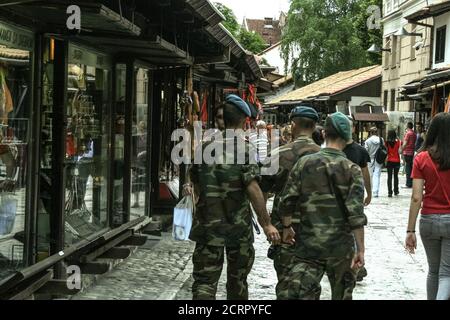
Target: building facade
416,57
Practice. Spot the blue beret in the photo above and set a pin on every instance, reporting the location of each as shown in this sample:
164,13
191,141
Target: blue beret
342,124
304,112
239,103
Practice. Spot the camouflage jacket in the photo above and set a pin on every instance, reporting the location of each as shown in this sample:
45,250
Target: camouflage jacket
324,230
223,216
286,156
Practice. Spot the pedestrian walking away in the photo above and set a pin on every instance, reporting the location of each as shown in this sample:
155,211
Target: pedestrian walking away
393,145
326,191
222,222
409,144
431,173
359,155
420,136
372,145
304,121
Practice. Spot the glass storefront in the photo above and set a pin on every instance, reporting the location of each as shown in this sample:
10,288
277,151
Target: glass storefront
15,96
45,172
139,154
119,145
87,144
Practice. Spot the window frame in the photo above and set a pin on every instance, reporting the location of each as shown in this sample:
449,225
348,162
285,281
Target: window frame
441,34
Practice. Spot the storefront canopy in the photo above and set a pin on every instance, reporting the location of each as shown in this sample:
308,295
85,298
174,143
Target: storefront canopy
96,17
429,11
156,50
370,117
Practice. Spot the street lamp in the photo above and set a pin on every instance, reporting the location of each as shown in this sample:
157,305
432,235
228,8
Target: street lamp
374,49
403,33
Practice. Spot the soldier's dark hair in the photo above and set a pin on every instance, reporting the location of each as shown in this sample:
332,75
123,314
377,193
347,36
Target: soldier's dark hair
304,123
437,142
330,132
317,136
410,125
232,116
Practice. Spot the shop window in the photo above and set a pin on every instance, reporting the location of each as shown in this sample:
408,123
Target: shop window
87,144
119,141
440,44
15,90
45,172
139,154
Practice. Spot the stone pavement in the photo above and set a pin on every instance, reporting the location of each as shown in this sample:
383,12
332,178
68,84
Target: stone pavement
164,271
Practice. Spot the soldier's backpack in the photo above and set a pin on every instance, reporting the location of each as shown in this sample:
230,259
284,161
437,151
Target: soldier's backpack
382,153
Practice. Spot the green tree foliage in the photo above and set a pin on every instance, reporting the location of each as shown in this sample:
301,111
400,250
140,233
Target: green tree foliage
327,36
366,35
230,19
250,41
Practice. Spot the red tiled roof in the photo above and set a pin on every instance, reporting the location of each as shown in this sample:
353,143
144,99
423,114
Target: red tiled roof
270,35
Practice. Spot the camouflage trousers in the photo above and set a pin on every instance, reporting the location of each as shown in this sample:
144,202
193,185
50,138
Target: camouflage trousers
283,261
305,277
208,263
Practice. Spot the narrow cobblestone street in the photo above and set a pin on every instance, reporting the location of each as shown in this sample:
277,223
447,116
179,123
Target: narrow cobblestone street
163,271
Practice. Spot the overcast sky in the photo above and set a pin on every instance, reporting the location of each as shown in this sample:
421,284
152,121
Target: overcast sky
256,8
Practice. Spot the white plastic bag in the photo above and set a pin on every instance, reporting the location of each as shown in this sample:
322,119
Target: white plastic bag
182,219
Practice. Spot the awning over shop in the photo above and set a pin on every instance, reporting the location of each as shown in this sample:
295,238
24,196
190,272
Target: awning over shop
207,10
220,33
414,85
436,76
95,16
429,11
254,66
156,50
412,97
370,117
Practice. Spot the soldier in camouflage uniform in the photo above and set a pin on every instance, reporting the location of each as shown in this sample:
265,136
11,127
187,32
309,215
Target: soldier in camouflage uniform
304,121
326,191
223,219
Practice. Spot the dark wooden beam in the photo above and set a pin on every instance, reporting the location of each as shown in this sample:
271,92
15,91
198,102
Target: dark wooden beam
116,253
106,247
223,58
163,3
57,287
95,267
134,241
24,292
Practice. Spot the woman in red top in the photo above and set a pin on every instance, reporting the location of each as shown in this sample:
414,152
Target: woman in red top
393,145
431,172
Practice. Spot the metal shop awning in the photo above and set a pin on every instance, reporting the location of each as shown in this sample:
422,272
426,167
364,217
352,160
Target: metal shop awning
370,117
95,16
437,76
206,10
429,11
221,34
411,97
414,85
157,50
254,66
